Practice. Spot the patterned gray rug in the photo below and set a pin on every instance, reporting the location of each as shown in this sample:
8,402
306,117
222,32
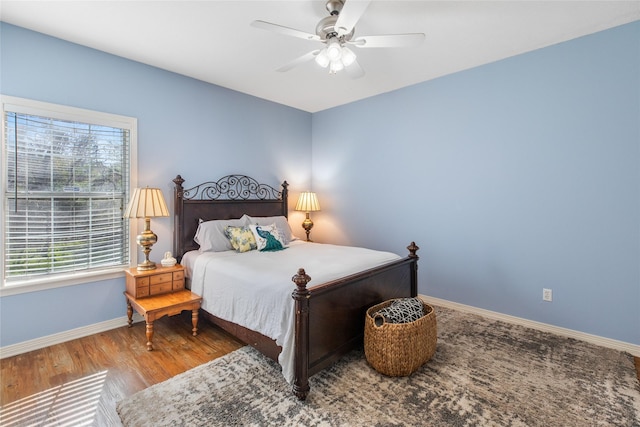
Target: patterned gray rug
484,373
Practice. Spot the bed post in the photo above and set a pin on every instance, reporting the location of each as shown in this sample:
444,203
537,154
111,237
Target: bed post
177,216
413,248
285,196
301,346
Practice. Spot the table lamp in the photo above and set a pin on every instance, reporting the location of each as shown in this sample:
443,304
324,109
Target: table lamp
146,203
308,202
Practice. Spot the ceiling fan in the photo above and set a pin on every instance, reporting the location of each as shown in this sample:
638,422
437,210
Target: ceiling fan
336,32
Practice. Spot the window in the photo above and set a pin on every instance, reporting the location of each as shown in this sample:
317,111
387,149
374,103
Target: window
66,179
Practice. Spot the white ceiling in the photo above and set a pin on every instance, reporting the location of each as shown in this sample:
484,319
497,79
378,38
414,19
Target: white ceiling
213,41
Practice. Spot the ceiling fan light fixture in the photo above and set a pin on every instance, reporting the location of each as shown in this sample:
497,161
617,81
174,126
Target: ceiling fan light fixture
348,57
322,59
335,66
334,50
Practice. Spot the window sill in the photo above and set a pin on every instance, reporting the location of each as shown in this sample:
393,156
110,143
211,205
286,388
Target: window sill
53,282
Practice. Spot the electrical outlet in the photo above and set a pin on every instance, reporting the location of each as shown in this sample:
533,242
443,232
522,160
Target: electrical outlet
547,295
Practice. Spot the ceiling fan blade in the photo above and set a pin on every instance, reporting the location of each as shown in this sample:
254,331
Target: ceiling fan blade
300,60
284,30
354,70
350,14
389,40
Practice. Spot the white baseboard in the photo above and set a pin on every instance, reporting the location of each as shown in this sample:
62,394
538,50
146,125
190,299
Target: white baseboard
633,349
38,343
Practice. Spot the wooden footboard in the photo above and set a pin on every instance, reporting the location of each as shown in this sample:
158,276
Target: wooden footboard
329,318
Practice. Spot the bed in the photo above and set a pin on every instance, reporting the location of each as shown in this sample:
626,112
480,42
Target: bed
327,317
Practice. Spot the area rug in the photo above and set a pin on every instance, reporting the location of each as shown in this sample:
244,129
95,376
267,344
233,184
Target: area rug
484,373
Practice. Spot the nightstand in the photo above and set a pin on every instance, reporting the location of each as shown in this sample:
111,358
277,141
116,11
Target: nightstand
159,292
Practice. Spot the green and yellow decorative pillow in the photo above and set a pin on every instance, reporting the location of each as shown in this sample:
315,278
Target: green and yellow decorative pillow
241,238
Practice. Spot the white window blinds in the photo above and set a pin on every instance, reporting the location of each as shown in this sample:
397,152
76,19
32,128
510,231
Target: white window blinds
66,187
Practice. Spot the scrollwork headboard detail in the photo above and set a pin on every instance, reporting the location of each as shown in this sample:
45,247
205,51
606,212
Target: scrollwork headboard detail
229,197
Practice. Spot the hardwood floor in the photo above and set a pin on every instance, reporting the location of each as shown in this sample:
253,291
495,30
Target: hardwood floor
79,382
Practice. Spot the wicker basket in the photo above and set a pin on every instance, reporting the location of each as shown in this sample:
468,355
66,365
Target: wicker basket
399,349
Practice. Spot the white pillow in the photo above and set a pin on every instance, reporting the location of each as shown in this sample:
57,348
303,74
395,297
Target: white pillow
210,234
267,237
280,222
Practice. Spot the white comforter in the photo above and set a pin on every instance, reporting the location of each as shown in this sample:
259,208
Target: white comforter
253,289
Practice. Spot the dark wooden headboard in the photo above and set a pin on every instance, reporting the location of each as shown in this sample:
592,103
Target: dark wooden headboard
229,197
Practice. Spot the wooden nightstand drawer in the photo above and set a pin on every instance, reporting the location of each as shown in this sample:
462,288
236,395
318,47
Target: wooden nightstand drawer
160,280
160,288
178,285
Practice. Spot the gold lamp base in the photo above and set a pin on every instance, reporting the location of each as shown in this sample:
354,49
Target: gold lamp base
146,240
307,224
146,265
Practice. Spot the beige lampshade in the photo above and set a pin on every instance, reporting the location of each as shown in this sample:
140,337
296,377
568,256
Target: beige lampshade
308,202
146,203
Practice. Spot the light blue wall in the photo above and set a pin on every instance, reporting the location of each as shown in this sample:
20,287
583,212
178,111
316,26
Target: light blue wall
511,177
185,126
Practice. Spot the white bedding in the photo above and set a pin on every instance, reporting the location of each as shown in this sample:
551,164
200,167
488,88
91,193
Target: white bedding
253,289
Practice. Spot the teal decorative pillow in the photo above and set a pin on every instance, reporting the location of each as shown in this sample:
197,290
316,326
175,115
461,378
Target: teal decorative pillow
279,221
267,237
241,238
